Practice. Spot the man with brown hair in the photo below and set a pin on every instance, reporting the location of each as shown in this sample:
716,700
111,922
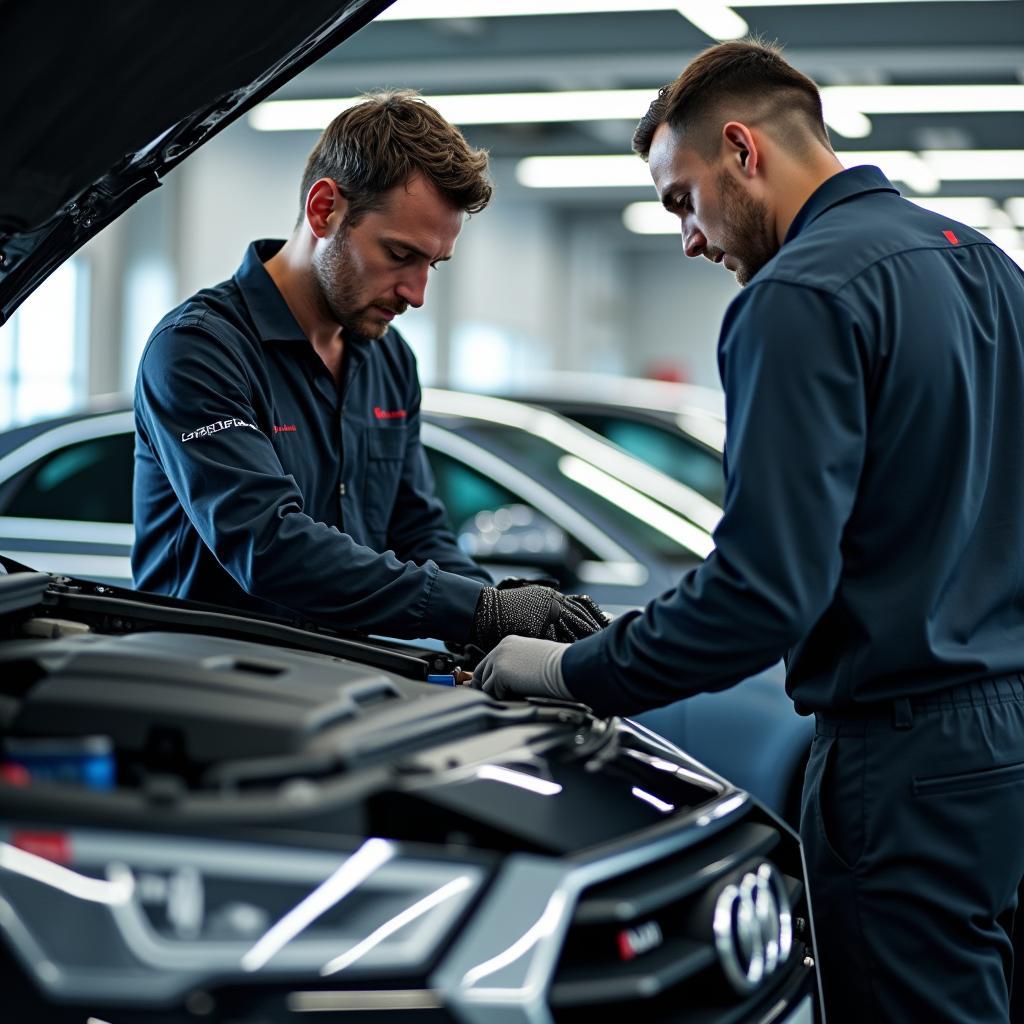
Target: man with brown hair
278,464
873,534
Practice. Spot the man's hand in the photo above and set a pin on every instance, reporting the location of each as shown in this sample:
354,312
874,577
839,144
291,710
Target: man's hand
521,667
534,612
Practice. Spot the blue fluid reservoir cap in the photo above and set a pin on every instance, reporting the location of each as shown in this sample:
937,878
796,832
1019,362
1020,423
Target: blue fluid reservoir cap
85,761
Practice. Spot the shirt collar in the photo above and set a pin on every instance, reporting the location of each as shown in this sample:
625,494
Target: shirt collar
270,313
837,189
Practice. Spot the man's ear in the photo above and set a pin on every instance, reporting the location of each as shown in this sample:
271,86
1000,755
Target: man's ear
324,199
741,148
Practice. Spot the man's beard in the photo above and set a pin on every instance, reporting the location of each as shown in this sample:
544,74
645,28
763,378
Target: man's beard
339,284
749,239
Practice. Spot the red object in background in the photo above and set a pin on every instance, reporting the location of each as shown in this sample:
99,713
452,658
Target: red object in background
14,774
674,373
55,846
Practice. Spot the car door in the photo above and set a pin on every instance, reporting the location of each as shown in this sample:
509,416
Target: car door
471,481
66,500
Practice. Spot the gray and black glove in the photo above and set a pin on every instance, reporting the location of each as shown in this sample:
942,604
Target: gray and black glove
523,667
535,612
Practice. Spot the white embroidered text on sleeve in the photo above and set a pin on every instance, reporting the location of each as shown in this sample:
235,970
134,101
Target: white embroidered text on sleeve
212,428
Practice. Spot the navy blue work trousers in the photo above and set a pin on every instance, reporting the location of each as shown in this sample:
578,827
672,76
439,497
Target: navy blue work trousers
913,829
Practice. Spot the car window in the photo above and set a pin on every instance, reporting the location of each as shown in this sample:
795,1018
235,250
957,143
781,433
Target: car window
547,465
464,490
665,449
90,480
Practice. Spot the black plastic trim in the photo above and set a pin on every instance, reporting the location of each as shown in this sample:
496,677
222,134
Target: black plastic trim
625,900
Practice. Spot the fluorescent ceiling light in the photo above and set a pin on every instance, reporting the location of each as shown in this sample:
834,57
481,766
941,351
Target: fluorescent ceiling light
975,211
923,172
472,108
926,99
897,165
405,10
298,115
844,106
843,117
583,172
976,164
650,219
713,18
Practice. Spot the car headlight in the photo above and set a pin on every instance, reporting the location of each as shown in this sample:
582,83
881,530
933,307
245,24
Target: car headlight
146,919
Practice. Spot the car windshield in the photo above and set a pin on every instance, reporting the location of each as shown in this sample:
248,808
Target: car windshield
665,448
596,493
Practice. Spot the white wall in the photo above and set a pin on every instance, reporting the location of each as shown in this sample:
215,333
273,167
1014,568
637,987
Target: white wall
241,186
504,286
676,308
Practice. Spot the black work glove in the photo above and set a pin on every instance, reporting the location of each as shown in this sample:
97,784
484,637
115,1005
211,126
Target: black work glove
513,582
534,611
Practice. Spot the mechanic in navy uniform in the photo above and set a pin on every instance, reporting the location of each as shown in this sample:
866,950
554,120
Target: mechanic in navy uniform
873,534
278,463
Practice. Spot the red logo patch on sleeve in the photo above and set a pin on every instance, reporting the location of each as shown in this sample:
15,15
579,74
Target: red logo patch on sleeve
389,414
951,238
284,428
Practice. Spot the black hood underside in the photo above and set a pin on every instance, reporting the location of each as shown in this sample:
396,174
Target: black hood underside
101,100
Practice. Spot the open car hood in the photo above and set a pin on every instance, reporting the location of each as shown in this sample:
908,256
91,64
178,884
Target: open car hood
101,100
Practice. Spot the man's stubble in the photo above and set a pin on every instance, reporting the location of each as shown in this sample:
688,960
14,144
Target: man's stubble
338,281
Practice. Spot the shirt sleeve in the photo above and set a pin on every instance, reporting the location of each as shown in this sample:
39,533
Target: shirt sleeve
793,366
194,409
418,529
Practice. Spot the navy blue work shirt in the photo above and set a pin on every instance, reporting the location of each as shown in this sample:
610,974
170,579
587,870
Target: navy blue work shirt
873,525
259,485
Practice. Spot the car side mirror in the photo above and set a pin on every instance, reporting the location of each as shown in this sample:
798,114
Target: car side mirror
519,536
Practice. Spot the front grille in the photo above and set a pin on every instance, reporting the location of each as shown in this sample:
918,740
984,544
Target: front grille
644,941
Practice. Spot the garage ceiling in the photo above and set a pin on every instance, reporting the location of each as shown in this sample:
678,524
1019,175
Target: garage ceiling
924,43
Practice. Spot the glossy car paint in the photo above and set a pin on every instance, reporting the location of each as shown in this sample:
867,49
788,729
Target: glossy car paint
749,734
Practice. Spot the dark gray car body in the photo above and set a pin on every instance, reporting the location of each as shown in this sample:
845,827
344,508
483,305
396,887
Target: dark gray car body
65,502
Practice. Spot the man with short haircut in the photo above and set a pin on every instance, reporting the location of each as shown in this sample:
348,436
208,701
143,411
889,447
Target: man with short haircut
873,534
278,463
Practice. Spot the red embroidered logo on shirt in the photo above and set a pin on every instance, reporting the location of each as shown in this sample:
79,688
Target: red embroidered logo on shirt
950,237
286,428
389,414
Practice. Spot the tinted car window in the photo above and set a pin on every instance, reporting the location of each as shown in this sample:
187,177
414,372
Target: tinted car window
90,480
463,490
544,460
665,449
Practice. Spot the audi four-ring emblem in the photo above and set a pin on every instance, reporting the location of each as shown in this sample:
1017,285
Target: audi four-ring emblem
753,925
